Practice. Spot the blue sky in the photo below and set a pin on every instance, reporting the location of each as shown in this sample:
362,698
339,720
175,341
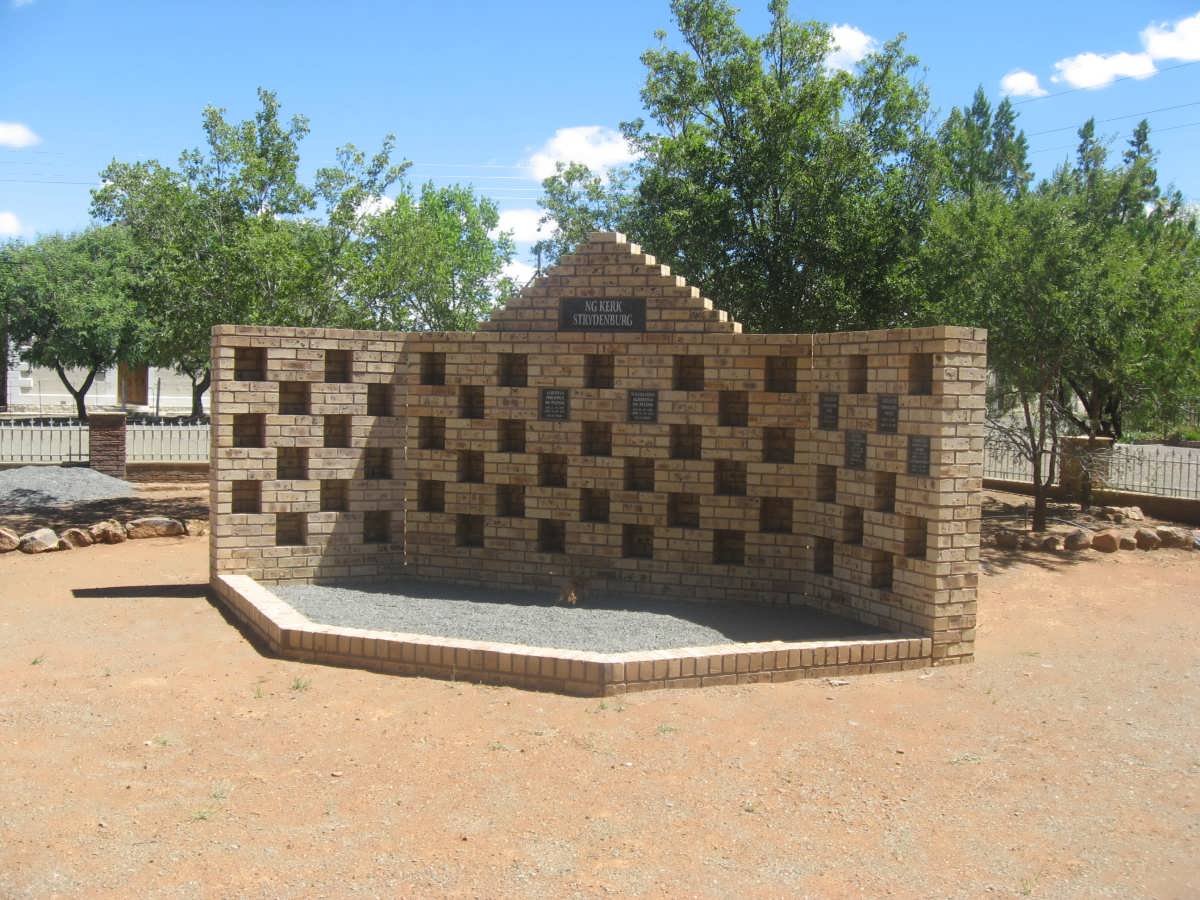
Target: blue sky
491,93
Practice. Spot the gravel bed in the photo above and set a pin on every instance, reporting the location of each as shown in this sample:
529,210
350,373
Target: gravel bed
36,486
535,618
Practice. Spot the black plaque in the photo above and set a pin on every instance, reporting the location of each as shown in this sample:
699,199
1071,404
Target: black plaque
556,405
643,406
856,449
888,414
827,412
918,455
594,314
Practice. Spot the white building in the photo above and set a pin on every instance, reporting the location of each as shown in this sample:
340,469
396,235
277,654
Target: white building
38,391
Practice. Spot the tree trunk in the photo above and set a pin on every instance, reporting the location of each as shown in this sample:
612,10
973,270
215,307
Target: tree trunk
1039,507
198,389
79,395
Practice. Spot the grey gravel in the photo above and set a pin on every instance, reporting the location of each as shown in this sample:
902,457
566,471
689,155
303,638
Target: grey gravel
30,487
535,618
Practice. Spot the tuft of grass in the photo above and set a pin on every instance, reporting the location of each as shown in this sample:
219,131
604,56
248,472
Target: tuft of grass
202,815
161,739
258,692
220,791
37,660
300,684
664,728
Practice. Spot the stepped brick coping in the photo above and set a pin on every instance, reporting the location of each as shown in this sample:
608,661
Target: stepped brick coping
291,635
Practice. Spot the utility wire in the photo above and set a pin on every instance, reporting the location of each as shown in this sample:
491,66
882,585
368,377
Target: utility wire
1116,118
1114,81
1156,131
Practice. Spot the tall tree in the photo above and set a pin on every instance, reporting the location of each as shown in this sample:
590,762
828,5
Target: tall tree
432,261
72,306
230,237
796,193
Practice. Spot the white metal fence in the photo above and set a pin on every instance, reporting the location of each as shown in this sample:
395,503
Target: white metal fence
1139,468
166,443
58,441
48,441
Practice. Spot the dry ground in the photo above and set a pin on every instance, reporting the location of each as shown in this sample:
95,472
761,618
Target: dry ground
146,748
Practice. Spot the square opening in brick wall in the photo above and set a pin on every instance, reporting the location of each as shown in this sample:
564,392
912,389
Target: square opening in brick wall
338,366
594,505
336,431
552,536
379,399
249,364
468,530
513,370
335,495
433,368
598,370
377,526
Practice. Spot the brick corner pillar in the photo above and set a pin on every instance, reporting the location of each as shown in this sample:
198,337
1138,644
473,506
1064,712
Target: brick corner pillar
106,443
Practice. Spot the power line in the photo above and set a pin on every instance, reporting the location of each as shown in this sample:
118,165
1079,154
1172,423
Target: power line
1117,118
1114,81
1156,131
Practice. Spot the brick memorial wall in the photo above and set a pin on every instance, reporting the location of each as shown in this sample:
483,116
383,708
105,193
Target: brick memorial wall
611,425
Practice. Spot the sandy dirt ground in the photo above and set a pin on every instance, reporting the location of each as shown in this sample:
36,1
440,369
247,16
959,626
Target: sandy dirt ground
148,749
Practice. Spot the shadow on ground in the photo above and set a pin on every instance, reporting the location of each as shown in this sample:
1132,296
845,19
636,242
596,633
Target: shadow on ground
17,515
142,592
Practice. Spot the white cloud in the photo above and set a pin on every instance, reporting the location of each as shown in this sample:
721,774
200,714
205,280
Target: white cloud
1097,70
1020,83
10,225
17,136
850,45
17,4
595,146
523,223
374,206
520,272
1180,41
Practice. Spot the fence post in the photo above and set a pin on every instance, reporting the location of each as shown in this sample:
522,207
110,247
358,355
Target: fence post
1084,463
106,443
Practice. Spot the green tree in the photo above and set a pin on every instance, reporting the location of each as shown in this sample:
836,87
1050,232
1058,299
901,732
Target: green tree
72,305
795,193
1016,267
229,236
1139,335
432,262
981,150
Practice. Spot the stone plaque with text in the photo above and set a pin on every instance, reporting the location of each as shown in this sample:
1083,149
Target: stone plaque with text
888,414
643,406
556,405
590,314
827,412
856,449
918,455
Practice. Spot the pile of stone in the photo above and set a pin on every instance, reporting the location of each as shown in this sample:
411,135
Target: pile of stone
110,531
1110,540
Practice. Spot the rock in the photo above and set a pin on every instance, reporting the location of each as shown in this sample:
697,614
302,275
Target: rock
1030,542
154,526
1128,543
108,532
196,527
1008,540
9,540
77,537
1112,514
1146,539
1174,538
41,540
1078,540
64,544
1052,542
1107,541
1134,513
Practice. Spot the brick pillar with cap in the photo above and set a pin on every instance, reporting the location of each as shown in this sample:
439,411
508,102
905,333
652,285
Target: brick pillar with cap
106,443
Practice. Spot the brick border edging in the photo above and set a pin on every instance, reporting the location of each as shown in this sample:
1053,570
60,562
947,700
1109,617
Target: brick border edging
291,635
